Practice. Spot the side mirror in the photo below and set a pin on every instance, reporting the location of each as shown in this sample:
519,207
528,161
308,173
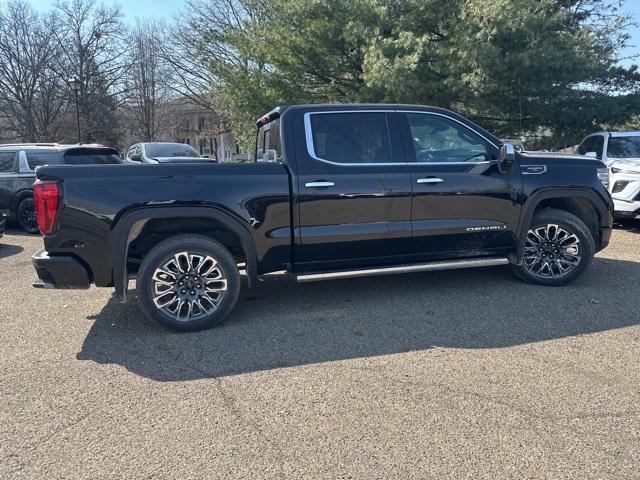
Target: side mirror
136,157
506,157
591,154
507,153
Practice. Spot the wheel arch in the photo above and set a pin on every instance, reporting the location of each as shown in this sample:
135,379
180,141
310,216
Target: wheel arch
572,200
130,225
18,197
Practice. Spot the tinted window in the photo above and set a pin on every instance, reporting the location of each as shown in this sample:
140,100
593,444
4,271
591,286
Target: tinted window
38,159
351,137
592,144
154,150
269,149
97,157
438,139
7,162
623,147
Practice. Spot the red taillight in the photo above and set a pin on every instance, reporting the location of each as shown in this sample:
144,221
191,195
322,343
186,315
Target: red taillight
45,197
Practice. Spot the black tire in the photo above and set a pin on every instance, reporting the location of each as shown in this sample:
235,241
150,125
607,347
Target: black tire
162,255
584,249
26,215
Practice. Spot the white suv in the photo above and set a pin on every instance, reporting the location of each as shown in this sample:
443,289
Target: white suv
621,152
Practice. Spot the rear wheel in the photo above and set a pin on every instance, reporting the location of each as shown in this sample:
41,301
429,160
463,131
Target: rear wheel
188,282
27,215
558,248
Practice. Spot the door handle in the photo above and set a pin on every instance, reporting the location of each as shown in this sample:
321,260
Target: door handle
430,180
319,184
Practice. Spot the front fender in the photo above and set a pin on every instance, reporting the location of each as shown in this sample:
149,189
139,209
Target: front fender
603,207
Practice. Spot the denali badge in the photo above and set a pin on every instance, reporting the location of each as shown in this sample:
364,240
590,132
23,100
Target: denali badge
491,227
533,169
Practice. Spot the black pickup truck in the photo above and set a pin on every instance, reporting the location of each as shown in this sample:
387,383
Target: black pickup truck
337,191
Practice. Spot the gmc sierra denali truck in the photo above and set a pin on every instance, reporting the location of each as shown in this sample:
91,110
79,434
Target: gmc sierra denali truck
337,191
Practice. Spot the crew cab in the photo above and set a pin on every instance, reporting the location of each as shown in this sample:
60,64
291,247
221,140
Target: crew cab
17,172
337,191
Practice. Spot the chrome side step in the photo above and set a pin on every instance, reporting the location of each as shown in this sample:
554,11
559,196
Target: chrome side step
418,267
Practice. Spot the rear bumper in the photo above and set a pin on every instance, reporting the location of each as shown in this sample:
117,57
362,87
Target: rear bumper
59,271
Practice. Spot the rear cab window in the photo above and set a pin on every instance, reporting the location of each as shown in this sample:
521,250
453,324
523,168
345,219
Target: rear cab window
268,144
88,156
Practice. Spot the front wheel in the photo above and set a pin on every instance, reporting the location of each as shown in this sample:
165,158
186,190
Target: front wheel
188,282
557,249
27,215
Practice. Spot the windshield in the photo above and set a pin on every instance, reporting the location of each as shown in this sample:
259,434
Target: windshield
154,150
624,147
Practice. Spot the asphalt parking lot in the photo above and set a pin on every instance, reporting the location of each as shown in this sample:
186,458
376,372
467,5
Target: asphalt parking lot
463,374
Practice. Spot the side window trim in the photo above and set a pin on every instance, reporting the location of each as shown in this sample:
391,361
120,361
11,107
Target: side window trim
311,150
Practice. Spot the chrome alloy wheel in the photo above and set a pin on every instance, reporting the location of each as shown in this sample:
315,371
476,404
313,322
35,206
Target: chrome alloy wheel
188,286
551,251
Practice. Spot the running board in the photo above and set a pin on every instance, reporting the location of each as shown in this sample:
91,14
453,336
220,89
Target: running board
418,267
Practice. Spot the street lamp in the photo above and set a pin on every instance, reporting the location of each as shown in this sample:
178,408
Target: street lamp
74,84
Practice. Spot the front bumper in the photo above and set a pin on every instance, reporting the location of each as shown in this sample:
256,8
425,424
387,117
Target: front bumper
627,200
59,271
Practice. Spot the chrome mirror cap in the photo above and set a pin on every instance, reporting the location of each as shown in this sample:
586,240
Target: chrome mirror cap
507,153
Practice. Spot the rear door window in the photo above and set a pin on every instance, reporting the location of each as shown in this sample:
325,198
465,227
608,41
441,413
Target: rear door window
39,159
91,157
349,137
8,162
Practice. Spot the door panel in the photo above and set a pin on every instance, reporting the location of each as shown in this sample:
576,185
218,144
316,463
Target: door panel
354,191
462,204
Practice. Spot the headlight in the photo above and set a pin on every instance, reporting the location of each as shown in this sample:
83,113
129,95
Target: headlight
603,176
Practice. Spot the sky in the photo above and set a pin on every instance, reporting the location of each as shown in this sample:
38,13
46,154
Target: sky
165,9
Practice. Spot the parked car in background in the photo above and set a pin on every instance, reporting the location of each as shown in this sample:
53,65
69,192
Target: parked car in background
160,152
346,191
17,172
621,152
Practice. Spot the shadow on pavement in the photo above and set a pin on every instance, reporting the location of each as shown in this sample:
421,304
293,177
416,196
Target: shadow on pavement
284,324
15,230
9,250
628,225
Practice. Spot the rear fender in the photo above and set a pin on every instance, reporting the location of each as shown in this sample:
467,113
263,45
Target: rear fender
130,224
